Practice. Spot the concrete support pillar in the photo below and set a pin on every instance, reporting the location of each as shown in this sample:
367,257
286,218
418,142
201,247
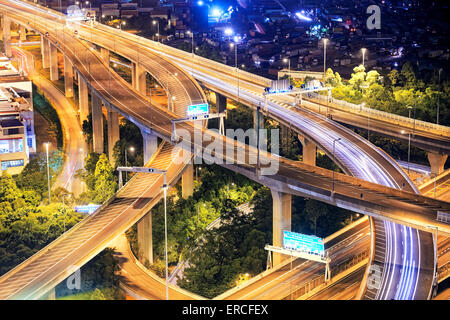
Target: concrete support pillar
97,123
53,59
437,162
187,182
150,145
1,26
113,132
45,52
51,295
23,33
309,150
68,77
7,36
145,241
104,53
285,138
255,120
83,99
221,102
282,204
139,78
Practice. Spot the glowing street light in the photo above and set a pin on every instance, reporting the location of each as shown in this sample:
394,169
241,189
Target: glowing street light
288,61
47,144
324,56
126,159
156,22
228,32
363,55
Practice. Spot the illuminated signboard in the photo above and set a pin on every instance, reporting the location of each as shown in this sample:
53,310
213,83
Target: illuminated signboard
279,86
90,208
197,109
303,242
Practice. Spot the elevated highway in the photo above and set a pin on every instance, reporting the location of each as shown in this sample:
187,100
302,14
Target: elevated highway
121,96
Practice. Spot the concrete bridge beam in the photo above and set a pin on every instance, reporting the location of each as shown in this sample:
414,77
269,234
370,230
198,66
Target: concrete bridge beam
113,132
282,207
23,33
221,102
83,99
104,54
7,36
68,77
45,52
97,123
437,162
285,138
150,145
187,182
139,78
2,18
50,295
145,240
309,150
53,60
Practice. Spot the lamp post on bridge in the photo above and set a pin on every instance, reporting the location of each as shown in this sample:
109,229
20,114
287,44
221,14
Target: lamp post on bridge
156,22
126,160
47,144
409,135
363,55
334,142
288,61
324,57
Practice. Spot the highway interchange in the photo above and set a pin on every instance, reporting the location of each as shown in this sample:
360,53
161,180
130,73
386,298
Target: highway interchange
406,270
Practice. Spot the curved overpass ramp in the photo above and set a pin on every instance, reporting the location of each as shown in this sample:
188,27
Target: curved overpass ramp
352,158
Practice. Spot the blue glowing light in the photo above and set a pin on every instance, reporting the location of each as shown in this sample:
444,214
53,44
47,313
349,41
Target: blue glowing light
302,17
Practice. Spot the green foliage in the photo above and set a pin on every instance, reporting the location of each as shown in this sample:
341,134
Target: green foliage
26,227
99,280
44,107
237,245
100,179
188,218
398,91
105,182
130,136
34,176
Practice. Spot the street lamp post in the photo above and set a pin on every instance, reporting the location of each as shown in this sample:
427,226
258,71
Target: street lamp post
192,44
47,144
363,55
126,160
165,235
288,61
64,211
439,94
157,23
409,137
234,45
334,142
324,57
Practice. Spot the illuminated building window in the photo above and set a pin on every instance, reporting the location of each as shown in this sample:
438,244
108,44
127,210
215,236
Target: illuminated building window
12,163
11,145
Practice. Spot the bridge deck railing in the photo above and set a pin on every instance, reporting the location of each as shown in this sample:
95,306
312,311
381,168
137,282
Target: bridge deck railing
304,288
383,115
